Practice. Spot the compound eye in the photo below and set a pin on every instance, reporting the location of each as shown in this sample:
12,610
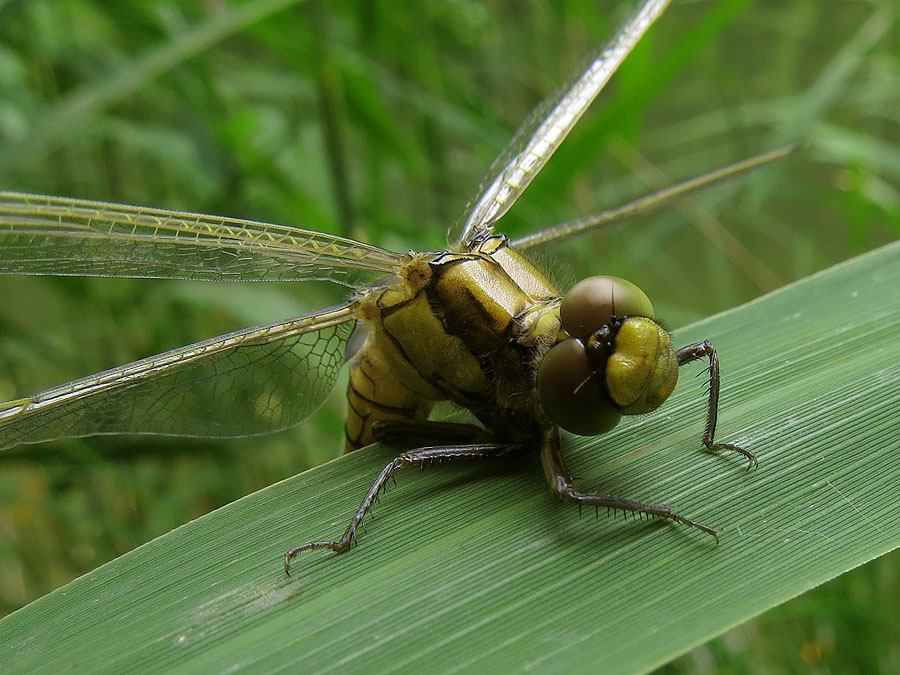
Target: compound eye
593,302
572,394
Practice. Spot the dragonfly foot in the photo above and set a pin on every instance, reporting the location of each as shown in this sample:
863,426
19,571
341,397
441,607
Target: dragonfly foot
336,546
695,524
752,462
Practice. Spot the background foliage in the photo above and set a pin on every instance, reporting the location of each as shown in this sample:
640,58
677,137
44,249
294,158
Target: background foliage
377,122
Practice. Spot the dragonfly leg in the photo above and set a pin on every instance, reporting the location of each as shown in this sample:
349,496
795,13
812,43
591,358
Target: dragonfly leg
415,458
697,351
428,430
562,485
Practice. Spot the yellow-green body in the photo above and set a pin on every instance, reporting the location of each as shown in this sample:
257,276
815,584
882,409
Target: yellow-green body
464,327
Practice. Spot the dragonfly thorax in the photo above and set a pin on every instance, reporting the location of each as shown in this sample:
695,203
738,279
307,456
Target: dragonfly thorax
464,327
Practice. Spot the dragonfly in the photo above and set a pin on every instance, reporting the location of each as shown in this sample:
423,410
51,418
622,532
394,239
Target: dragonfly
476,324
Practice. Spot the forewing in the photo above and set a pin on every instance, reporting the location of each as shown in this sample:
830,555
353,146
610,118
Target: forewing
75,237
540,136
247,382
655,200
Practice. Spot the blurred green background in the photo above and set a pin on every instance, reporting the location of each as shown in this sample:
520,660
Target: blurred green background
378,120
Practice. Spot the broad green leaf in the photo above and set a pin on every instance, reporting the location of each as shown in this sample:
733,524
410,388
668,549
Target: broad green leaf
477,567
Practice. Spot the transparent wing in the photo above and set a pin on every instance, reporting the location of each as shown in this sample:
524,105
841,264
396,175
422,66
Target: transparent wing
540,136
650,202
75,237
247,382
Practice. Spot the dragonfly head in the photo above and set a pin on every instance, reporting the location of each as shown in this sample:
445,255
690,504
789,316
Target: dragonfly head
616,361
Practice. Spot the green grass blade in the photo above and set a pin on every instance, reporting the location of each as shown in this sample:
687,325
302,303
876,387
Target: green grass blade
475,568
75,110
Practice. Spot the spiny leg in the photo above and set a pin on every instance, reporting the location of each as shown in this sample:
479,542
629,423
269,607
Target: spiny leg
696,351
561,483
412,430
418,457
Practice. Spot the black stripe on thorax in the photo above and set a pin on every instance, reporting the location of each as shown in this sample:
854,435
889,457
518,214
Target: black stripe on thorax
461,329
436,382
376,404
